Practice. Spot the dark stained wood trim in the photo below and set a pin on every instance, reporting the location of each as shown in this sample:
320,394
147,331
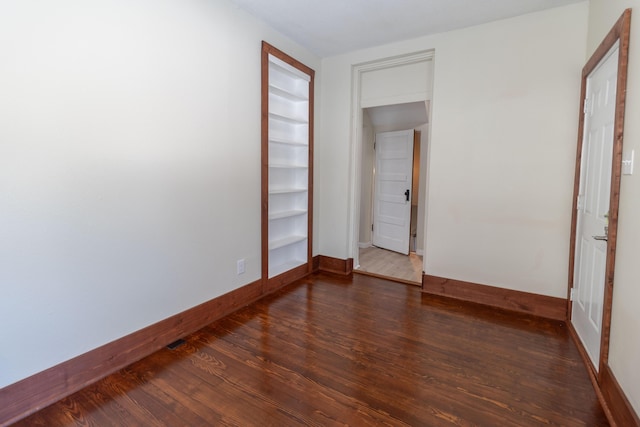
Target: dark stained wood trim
310,184
621,408
271,284
264,149
623,30
620,32
390,278
290,276
332,348
44,388
593,375
329,264
523,302
613,400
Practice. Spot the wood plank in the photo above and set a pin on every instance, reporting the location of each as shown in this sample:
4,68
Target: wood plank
508,299
335,350
276,282
33,393
329,264
621,408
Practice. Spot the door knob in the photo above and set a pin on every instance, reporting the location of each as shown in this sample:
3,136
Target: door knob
406,194
603,238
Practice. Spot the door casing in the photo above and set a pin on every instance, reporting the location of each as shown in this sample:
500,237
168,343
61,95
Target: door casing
619,33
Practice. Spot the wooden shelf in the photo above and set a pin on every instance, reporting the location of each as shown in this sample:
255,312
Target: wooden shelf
285,93
275,140
286,241
287,119
287,175
282,67
286,214
282,166
287,190
274,270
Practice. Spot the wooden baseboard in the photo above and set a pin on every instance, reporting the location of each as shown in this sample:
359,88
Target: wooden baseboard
286,278
621,409
329,264
591,371
44,388
613,400
508,299
392,279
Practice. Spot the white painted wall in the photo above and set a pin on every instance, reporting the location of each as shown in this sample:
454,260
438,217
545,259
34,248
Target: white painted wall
502,149
396,85
624,352
129,167
366,190
422,189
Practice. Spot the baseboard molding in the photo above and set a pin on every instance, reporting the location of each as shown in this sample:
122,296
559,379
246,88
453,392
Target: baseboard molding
364,245
508,299
286,278
591,371
613,400
391,279
44,388
329,264
621,409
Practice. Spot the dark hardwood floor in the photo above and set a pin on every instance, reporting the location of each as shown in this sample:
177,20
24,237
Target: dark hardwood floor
361,351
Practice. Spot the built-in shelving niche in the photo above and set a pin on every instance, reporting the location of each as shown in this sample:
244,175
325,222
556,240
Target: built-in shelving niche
287,167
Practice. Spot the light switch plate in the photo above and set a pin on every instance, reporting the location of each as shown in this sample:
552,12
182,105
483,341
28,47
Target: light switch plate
627,164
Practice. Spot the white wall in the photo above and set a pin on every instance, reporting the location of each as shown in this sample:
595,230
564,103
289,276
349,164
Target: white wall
129,167
422,189
366,190
624,352
502,149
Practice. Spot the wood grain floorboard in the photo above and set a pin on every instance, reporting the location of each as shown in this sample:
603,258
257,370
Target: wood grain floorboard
361,351
382,262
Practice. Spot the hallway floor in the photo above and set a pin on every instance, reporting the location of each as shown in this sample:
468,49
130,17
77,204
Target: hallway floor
381,262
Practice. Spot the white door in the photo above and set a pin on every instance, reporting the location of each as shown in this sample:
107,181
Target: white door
392,190
593,204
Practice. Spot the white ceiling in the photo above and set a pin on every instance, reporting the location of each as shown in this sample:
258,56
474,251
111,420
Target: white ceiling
331,27
399,116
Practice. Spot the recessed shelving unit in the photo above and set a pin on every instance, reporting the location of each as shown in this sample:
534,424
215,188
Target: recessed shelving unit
287,167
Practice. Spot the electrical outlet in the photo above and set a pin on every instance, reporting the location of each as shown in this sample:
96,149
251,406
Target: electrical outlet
240,266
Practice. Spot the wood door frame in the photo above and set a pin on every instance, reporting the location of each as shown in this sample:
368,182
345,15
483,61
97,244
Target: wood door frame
619,33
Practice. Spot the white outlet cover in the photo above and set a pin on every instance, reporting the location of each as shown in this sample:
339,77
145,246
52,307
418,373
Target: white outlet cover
240,267
627,163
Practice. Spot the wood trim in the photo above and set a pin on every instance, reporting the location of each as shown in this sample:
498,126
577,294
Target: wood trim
270,49
523,302
611,396
621,408
264,162
329,264
270,284
310,184
620,32
290,276
390,278
593,375
44,388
